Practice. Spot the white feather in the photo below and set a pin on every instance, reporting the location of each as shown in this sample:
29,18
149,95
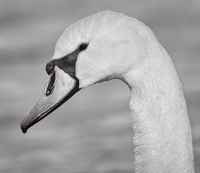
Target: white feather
125,48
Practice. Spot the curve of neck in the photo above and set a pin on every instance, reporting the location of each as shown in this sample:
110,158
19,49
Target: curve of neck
162,132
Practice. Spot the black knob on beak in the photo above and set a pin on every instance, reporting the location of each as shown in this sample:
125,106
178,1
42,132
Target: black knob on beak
50,67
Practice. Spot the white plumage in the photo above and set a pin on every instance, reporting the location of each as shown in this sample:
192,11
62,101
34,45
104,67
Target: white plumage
124,48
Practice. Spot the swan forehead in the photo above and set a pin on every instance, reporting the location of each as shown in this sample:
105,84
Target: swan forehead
84,30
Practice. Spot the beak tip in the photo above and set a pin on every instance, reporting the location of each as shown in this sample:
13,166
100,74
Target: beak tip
24,131
23,128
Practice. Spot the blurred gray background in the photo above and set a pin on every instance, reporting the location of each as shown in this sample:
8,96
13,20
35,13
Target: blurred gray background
92,131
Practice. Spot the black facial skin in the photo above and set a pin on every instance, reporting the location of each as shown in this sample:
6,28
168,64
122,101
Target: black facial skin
67,64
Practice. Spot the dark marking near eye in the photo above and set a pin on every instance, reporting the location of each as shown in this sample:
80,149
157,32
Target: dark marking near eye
51,85
67,64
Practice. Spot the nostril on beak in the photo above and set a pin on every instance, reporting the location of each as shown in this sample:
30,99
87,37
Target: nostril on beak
51,85
49,89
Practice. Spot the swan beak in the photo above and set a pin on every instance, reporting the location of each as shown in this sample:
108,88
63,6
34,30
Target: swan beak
59,88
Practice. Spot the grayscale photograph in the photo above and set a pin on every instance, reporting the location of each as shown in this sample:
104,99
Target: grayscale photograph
98,86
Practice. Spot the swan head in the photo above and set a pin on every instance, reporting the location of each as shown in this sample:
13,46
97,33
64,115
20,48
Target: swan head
100,47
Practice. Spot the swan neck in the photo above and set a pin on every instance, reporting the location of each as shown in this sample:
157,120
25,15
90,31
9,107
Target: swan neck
162,132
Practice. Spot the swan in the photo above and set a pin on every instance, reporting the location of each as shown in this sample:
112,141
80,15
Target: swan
110,45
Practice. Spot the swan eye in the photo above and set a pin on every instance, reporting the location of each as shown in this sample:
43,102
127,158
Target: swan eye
49,68
82,47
